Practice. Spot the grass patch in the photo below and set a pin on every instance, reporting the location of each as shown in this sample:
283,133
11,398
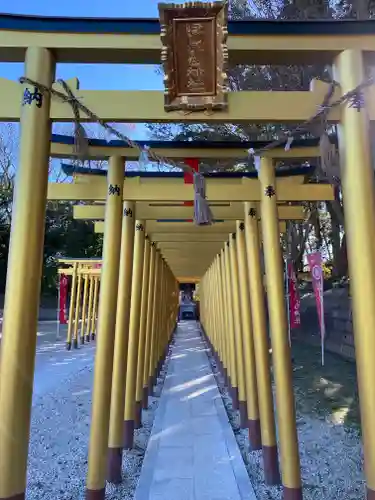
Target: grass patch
325,391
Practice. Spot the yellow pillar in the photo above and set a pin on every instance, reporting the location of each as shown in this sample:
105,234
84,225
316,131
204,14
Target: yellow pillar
97,462
219,306
23,287
84,307
230,328
135,309
95,307
77,308
237,325
286,415
164,333
155,312
159,304
150,305
73,295
90,308
216,318
248,343
224,302
357,176
142,335
261,348
116,425
159,325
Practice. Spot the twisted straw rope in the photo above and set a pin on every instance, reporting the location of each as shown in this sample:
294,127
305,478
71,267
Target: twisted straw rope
70,98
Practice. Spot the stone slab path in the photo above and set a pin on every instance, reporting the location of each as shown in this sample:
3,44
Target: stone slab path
192,453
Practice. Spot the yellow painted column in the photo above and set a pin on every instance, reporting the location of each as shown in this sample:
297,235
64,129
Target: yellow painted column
95,307
73,294
160,297
216,318
84,307
281,356
135,310
23,286
77,308
220,316
116,423
97,461
154,323
224,302
150,305
142,335
248,343
357,177
261,348
90,308
159,329
237,325
230,328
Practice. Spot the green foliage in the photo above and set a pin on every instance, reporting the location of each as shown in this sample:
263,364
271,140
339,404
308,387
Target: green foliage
64,236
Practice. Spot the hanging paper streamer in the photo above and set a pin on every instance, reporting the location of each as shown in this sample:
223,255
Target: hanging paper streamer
315,263
143,157
288,143
202,211
251,153
107,135
257,163
193,163
63,296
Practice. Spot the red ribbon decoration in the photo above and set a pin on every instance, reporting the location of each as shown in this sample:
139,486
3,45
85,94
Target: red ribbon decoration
189,177
63,299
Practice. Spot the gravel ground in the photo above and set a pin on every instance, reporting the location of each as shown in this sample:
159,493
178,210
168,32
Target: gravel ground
59,443
330,448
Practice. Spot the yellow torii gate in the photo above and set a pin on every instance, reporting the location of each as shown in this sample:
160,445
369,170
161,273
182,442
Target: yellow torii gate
43,42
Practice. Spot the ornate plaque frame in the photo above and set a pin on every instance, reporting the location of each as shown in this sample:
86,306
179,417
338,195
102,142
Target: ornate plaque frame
194,55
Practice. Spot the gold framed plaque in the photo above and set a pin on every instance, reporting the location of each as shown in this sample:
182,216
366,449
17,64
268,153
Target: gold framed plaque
194,55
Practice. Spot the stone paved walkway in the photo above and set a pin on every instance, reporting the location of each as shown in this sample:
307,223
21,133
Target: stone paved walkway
192,453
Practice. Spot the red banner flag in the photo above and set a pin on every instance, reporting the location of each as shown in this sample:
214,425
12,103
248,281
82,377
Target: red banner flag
315,263
294,299
63,296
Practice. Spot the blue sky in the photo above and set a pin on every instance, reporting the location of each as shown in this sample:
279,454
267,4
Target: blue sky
112,77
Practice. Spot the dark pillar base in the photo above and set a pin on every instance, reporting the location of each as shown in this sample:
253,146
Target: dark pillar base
242,407
114,465
82,340
271,465
138,415
128,434
225,376
155,380
95,494
151,386
88,338
292,493
93,335
234,396
145,398
370,494
229,386
68,346
75,343
19,496
255,438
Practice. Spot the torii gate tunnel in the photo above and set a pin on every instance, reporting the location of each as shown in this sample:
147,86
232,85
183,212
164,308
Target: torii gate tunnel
150,242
